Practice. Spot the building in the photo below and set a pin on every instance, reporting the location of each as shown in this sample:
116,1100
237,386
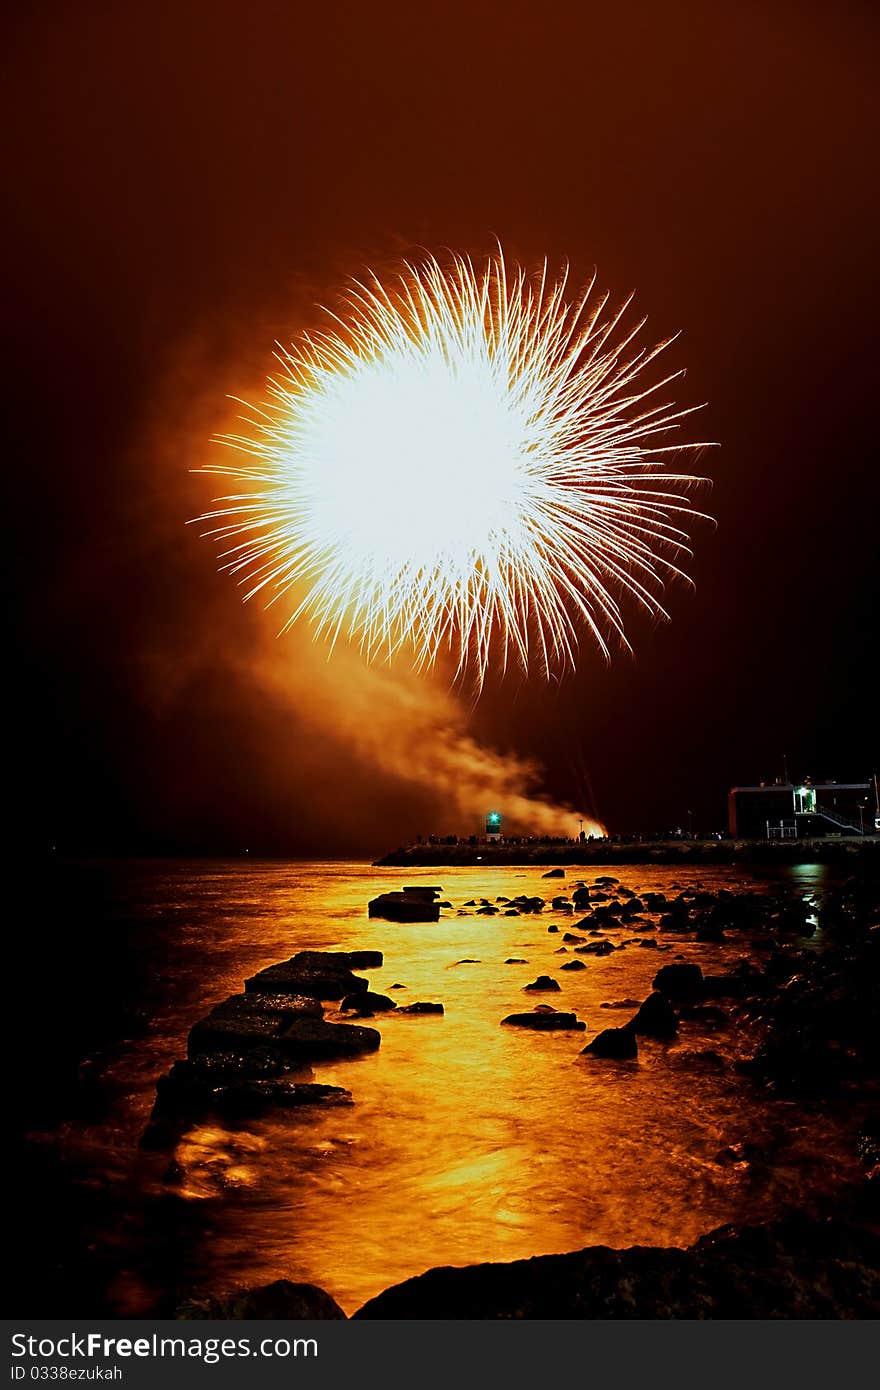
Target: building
493,825
789,810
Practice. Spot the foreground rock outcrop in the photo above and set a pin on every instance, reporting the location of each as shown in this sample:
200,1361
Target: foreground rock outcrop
787,1269
281,1299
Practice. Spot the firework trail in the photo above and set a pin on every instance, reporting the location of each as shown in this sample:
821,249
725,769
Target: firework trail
462,459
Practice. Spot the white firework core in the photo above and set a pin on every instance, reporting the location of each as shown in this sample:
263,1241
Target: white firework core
465,460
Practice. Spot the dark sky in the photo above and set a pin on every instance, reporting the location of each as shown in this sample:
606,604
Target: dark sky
184,180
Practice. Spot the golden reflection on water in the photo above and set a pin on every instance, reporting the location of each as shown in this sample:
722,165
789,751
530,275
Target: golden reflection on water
467,1141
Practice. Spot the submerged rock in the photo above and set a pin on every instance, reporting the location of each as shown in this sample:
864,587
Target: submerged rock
596,948
545,1019
367,1003
421,1007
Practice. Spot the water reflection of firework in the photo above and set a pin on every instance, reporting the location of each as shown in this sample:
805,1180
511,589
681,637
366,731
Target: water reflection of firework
463,459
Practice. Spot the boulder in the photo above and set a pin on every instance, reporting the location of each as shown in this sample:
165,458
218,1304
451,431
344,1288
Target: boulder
310,1038
407,905
655,1018
543,982
618,1043
680,982
573,965
554,873
421,1007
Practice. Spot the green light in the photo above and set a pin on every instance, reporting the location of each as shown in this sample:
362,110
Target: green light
494,817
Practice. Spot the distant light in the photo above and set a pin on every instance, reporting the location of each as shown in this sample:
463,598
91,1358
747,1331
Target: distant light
494,817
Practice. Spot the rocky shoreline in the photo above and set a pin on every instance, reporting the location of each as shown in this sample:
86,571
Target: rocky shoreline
851,854
805,1017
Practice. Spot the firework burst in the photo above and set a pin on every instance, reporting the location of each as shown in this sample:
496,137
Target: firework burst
463,459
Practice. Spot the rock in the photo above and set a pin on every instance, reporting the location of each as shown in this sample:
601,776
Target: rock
251,1098
707,1014
397,985
314,1038
655,1018
596,948
339,960
277,1301
794,1268
288,977
511,912
468,960
367,1003
680,982
543,982
421,1007
233,1086
621,1004
407,905
738,1154
573,965
545,1020
614,1042
554,873
246,1021
572,936
488,911
515,960
561,905
647,943
552,929
696,1059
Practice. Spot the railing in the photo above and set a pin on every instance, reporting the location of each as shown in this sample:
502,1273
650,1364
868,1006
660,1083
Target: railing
836,819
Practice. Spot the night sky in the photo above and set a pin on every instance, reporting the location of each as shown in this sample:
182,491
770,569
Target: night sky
184,181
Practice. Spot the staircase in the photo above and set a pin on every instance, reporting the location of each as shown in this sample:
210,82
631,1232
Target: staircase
849,827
